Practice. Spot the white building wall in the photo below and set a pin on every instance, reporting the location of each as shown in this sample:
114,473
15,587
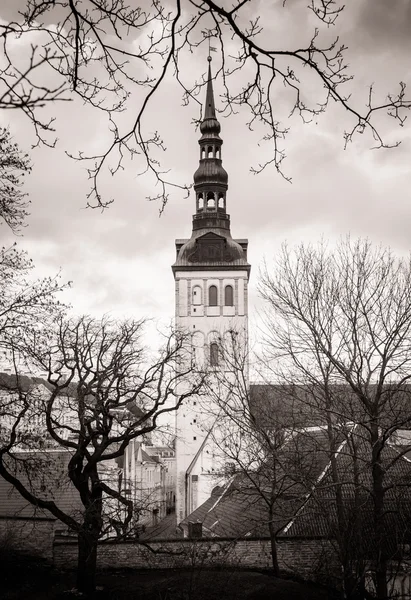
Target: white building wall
198,466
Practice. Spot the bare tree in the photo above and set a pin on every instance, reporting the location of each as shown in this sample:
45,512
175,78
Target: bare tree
13,166
25,302
103,392
102,52
261,454
338,322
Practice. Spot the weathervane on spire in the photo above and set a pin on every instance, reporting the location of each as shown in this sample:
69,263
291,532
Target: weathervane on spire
208,34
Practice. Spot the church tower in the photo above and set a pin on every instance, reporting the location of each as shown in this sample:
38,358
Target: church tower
211,274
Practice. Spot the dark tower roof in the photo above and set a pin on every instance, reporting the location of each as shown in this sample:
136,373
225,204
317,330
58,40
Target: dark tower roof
211,244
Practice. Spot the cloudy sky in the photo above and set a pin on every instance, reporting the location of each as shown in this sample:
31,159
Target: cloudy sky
119,260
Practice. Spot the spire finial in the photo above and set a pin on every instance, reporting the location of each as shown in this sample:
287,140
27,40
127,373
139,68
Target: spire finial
209,49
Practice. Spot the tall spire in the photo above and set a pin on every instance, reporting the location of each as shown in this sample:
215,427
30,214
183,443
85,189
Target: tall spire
210,179
210,127
211,242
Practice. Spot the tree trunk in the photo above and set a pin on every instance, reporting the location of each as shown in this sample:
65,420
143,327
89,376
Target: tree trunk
89,534
87,563
274,558
381,586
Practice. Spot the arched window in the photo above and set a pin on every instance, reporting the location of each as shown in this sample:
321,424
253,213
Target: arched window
220,200
203,152
210,152
210,200
228,295
197,295
200,201
217,153
214,354
212,295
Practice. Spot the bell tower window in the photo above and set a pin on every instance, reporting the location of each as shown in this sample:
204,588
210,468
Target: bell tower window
210,152
210,200
202,152
200,202
212,295
221,200
214,354
228,295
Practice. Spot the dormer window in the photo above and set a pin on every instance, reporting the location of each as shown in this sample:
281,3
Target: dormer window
212,295
228,295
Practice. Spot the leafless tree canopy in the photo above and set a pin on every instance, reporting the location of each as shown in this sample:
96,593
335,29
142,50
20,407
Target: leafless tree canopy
101,391
338,324
107,53
13,166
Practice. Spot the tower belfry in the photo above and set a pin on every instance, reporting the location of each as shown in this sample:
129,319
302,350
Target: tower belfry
211,274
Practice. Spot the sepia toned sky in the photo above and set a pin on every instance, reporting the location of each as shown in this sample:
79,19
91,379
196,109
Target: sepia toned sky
119,260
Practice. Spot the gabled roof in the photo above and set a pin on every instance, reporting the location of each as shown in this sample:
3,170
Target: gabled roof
306,506
237,510
148,458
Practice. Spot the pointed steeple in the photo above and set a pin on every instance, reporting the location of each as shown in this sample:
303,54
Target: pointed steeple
209,109
210,127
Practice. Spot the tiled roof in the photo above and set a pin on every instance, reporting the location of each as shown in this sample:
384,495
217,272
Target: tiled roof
199,514
301,509
147,458
318,516
282,406
25,383
165,529
275,405
238,510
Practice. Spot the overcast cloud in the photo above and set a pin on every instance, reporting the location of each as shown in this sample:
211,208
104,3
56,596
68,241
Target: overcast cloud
119,260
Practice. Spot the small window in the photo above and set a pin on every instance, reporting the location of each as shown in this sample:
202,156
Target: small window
214,354
203,152
212,295
210,152
196,295
228,295
200,201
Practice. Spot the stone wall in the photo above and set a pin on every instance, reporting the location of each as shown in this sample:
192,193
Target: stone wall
27,535
303,556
